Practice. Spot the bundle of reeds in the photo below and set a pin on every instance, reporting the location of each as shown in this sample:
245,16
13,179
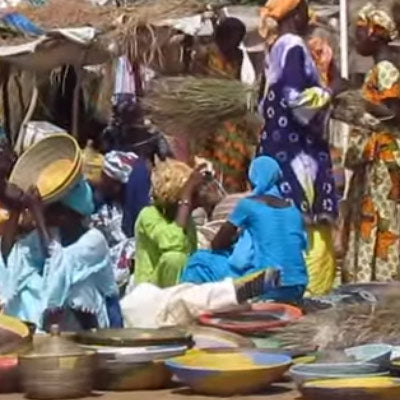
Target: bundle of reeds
140,34
197,106
347,326
352,108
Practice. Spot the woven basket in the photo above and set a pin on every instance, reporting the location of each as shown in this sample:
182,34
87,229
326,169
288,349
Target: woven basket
43,154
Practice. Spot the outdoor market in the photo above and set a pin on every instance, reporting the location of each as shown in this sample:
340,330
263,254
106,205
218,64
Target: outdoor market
200,199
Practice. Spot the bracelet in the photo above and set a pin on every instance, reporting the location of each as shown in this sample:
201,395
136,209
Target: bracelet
184,202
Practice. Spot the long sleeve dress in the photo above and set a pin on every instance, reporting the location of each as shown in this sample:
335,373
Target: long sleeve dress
77,277
374,226
293,135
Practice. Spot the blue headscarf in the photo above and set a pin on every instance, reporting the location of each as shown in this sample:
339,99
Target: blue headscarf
264,175
80,199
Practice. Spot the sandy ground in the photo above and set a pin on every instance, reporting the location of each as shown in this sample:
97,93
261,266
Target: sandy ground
277,392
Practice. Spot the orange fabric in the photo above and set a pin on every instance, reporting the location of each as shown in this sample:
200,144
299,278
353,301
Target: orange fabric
278,9
372,93
384,241
369,218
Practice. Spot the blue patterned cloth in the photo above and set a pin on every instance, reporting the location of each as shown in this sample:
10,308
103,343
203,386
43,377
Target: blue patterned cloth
294,128
79,277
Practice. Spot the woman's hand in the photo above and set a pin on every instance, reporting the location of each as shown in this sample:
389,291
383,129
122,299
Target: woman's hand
186,204
196,179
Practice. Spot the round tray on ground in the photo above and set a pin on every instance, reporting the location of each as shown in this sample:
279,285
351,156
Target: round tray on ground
303,373
131,337
261,317
382,388
137,354
227,373
378,289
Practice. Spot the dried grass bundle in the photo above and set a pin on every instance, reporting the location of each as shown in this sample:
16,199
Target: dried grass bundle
350,107
138,33
347,326
198,106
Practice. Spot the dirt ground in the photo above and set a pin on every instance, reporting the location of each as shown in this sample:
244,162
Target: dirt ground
277,392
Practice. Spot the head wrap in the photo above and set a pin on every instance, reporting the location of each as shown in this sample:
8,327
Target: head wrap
322,55
118,165
80,198
264,175
273,12
378,21
168,179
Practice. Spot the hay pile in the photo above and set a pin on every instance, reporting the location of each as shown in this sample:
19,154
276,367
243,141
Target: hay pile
77,13
134,27
347,326
69,14
197,106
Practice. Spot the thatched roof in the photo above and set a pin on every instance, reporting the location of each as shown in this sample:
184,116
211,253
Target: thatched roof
131,30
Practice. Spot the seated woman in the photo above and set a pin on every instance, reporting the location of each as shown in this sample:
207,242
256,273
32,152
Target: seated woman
165,233
110,194
271,231
60,272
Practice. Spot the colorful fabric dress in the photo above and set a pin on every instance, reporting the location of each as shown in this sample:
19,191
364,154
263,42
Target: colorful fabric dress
162,248
270,237
293,131
293,136
228,149
374,228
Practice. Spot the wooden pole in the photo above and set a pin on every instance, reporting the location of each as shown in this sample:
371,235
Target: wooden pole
344,39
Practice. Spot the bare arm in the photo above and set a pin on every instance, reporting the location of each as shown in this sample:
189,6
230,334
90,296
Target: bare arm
10,233
36,207
186,204
225,237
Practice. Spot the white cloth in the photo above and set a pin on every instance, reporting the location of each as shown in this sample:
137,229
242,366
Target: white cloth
148,306
247,72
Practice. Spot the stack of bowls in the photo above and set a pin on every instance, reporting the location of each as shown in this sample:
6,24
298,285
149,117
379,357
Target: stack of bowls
53,165
134,359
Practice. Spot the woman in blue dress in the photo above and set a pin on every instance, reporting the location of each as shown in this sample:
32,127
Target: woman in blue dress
271,234
294,110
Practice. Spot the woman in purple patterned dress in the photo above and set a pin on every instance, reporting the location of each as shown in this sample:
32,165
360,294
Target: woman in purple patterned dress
293,109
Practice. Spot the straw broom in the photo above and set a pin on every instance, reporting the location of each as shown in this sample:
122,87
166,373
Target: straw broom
197,106
350,107
346,326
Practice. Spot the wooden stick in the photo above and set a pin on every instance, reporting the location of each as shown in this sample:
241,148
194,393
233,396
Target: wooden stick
29,113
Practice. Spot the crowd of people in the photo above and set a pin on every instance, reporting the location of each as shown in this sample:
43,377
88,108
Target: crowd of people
122,250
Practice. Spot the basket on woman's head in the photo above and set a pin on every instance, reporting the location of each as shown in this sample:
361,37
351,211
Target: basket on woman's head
53,165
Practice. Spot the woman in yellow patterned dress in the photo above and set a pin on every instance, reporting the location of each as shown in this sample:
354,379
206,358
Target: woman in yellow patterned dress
373,252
